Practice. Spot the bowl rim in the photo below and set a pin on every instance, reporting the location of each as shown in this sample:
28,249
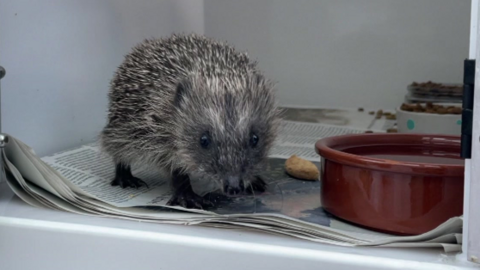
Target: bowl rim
324,148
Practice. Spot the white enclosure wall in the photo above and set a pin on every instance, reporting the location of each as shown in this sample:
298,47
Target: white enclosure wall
60,56
345,53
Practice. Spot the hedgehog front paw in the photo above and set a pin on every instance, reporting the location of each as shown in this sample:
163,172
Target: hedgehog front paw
257,185
189,199
128,181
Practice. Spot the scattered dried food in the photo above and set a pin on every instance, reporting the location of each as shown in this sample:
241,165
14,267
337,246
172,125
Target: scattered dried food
436,89
431,108
360,109
372,113
392,130
431,84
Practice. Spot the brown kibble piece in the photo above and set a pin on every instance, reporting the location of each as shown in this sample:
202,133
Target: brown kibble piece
360,109
442,111
372,113
301,168
451,110
368,131
392,130
391,117
405,107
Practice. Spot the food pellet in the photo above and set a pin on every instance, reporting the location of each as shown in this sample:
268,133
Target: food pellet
301,168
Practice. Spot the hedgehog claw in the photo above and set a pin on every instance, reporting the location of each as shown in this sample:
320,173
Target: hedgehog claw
128,181
257,185
184,195
188,199
124,177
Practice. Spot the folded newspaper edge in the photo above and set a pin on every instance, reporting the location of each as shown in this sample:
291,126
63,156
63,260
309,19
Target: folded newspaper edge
48,188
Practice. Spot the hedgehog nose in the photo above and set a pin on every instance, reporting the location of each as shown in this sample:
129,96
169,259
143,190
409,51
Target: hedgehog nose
232,185
233,181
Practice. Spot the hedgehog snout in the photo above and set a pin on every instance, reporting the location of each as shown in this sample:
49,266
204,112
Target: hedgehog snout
232,185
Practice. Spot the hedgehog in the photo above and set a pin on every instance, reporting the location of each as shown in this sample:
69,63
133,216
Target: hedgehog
191,106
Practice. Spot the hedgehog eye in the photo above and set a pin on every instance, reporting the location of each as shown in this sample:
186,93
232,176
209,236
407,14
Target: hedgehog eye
254,140
205,141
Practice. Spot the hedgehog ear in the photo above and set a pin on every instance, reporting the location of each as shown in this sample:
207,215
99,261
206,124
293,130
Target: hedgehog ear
182,89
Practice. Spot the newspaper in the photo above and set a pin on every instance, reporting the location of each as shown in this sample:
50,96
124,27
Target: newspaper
78,181
357,118
299,138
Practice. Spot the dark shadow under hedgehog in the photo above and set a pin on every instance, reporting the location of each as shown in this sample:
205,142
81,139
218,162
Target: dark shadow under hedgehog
195,107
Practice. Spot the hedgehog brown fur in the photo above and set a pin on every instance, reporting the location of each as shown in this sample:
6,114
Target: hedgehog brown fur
191,105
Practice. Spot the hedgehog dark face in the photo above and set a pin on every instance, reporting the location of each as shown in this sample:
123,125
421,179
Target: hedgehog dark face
225,129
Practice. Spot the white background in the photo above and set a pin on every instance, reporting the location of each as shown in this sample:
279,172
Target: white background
347,53
60,54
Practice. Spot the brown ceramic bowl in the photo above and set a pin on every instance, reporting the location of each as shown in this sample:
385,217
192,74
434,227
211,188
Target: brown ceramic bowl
403,184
